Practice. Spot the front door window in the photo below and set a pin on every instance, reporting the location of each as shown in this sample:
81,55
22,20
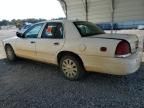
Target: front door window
33,31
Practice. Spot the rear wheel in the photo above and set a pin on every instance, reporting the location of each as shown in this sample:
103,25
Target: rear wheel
71,67
10,53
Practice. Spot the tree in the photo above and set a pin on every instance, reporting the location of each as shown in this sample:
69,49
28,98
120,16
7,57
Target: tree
4,22
19,23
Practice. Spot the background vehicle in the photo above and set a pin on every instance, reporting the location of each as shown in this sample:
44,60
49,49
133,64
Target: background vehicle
141,27
76,47
25,27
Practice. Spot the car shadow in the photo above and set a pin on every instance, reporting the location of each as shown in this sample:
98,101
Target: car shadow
44,69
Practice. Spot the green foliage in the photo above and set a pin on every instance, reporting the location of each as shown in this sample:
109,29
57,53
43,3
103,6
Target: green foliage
18,23
4,22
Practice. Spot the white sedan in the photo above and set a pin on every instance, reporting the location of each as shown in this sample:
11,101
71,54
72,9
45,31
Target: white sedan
76,47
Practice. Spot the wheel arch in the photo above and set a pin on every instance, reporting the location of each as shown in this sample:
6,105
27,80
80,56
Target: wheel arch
7,44
62,53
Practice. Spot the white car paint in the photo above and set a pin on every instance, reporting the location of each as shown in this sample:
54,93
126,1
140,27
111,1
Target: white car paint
87,48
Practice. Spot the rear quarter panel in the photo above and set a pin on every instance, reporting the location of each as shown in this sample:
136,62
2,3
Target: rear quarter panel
88,50
93,46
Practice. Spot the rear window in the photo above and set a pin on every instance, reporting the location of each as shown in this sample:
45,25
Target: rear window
87,29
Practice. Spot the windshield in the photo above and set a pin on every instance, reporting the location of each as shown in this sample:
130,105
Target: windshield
87,29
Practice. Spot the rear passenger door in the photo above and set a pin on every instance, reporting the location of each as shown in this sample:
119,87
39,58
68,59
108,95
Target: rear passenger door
50,42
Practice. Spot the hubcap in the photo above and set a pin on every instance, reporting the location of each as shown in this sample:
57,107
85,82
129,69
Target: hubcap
69,68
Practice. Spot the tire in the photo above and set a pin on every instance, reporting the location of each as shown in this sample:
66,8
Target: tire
72,67
10,53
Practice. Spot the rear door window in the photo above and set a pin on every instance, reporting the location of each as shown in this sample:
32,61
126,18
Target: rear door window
53,30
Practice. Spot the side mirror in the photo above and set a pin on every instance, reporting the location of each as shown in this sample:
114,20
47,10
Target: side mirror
20,35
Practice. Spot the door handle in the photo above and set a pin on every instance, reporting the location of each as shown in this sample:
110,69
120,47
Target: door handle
32,42
56,43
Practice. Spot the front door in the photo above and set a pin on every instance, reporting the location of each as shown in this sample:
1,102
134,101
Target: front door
50,42
26,47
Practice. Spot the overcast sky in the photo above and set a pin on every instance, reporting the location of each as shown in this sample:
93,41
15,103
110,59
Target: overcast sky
22,9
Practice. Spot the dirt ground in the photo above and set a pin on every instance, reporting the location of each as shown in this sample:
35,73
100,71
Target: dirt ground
30,84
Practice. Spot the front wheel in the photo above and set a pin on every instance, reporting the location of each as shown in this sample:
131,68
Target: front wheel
71,67
10,53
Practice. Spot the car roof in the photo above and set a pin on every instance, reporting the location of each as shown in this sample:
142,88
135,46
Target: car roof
62,21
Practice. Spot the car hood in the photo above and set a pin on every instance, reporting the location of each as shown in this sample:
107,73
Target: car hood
22,30
10,39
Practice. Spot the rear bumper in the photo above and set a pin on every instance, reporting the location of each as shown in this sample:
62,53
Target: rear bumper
116,66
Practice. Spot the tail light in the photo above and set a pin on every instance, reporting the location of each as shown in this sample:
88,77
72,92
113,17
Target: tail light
123,49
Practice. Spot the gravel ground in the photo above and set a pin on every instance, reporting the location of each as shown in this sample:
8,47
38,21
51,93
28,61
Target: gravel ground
29,84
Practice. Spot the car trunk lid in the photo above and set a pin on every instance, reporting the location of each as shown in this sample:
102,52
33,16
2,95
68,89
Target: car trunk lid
131,39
